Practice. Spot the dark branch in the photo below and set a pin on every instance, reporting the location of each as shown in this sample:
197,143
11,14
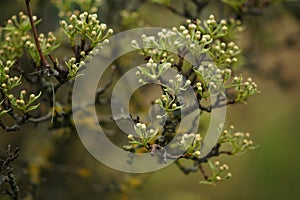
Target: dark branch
35,36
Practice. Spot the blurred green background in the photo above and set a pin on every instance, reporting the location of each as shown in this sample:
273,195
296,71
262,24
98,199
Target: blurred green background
271,46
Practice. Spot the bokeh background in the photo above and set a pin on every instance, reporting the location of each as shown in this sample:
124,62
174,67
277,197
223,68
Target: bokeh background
271,47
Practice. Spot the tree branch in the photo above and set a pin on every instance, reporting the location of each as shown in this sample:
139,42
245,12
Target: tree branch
35,36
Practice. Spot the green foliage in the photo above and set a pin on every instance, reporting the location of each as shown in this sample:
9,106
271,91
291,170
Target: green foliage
131,19
2,112
165,2
237,5
68,7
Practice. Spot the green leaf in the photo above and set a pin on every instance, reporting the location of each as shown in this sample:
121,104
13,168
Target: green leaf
206,182
32,108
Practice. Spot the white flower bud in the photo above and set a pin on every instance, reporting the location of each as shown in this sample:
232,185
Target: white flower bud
197,153
106,41
130,137
73,60
182,28
143,126
198,137
103,27
82,63
72,18
228,60
192,26
224,28
70,27
32,96
110,31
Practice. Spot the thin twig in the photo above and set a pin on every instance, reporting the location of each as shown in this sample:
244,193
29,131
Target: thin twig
205,176
35,36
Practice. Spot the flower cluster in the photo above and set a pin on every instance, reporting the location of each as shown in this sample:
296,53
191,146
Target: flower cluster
239,141
86,34
199,38
243,90
213,81
146,135
219,173
86,26
48,44
210,74
177,84
168,104
160,48
23,104
192,144
151,71
8,83
224,54
14,35
73,67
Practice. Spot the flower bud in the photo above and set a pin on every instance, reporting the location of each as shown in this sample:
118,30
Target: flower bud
32,96
130,137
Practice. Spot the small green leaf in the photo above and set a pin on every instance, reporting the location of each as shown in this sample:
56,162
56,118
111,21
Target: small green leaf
32,108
